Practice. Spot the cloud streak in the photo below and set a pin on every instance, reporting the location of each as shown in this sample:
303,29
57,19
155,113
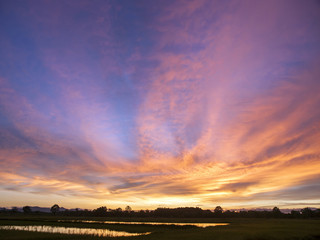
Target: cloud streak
192,103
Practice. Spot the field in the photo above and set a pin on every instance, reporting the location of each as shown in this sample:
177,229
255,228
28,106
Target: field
239,229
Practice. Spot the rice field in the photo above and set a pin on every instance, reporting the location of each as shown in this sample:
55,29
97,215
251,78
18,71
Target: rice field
156,229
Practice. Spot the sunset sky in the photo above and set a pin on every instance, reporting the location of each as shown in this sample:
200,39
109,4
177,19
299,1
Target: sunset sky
160,103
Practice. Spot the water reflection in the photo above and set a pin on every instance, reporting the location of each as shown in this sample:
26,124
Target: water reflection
203,225
73,230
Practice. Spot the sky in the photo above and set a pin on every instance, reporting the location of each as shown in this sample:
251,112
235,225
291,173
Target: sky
160,103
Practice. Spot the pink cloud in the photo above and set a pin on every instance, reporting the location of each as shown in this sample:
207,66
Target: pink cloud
227,110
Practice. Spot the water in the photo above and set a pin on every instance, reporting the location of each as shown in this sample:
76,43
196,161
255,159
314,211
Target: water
203,225
73,230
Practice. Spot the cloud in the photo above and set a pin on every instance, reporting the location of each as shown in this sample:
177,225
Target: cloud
204,103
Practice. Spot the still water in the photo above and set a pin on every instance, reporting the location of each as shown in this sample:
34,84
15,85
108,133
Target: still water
73,230
203,225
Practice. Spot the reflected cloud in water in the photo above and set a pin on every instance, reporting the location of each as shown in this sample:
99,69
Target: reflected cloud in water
203,225
73,230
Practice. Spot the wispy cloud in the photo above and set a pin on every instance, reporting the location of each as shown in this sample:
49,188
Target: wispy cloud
194,103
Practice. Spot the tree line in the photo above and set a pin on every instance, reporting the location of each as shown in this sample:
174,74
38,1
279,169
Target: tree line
181,212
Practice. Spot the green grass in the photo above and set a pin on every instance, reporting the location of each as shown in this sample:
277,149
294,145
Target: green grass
239,229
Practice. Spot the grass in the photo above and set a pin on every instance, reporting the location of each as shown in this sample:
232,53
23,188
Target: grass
239,229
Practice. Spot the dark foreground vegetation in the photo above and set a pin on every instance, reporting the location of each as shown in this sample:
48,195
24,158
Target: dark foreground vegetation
239,228
243,225
182,212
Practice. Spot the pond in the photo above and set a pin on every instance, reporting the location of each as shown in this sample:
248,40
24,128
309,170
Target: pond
73,230
203,225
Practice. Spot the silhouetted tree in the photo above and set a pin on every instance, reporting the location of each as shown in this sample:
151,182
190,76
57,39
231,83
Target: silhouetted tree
181,212
101,211
306,212
229,214
55,209
14,210
218,211
128,209
141,213
295,214
276,212
27,209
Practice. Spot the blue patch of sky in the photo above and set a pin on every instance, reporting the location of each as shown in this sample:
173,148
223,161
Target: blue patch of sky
133,36
25,72
122,99
11,137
